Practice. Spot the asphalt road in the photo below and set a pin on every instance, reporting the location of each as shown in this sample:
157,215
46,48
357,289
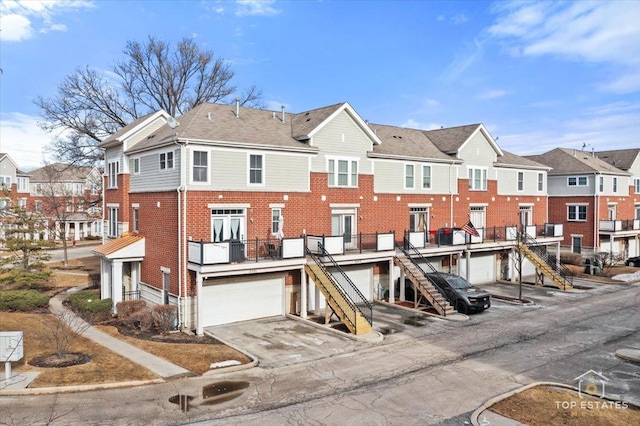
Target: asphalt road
434,373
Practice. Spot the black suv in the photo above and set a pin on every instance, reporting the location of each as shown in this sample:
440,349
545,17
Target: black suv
462,295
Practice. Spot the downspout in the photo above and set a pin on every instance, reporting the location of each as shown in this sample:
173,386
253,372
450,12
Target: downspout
182,190
596,208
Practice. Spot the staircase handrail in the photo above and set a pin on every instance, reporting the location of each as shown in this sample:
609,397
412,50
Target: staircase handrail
366,310
556,265
411,251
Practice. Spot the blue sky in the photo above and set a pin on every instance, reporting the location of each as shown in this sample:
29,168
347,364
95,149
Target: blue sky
537,74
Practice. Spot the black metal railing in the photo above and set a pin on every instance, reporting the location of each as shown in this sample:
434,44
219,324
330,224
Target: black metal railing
552,261
343,283
130,295
418,260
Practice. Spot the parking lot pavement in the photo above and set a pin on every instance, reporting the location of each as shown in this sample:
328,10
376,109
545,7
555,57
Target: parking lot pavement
281,341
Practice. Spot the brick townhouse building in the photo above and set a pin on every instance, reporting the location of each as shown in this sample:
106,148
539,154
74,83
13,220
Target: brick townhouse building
596,195
67,197
218,212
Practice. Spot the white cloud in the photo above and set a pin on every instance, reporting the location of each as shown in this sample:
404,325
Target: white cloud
463,60
413,124
23,140
491,94
15,28
256,8
277,106
595,32
609,126
459,18
19,17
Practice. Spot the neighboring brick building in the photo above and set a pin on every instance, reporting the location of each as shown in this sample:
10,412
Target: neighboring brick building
213,214
596,195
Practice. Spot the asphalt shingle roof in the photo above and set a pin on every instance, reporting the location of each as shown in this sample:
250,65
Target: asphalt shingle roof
620,158
60,172
404,142
568,161
449,140
510,159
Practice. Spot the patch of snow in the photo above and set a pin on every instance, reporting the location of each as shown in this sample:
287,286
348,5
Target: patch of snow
627,277
227,363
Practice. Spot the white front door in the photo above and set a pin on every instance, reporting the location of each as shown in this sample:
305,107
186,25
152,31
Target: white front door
228,224
344,223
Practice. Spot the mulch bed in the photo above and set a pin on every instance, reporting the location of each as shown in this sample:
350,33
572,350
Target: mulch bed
53,361
128,329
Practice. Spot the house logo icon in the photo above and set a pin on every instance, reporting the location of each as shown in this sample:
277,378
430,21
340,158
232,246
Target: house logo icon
591,383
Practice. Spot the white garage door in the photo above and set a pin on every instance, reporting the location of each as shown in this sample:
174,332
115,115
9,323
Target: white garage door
633,249
233,299
482,268
363,280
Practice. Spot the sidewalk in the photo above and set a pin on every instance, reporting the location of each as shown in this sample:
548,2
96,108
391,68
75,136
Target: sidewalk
159,366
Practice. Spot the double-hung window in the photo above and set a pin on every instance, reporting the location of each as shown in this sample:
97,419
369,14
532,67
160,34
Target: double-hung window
636,185
426,177
276,214
342,173
113,221
520,181
113,168
136,219
200,166
577,181
23,184
477,179
577,213
601,184
256,169
615,184
408,176
540,182
166,160
136,166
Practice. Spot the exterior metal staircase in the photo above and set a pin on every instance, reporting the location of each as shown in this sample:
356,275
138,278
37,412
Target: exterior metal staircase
412,264
553,269
342,296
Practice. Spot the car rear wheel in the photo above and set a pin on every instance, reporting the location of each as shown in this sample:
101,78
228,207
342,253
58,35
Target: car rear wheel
632,264
462,307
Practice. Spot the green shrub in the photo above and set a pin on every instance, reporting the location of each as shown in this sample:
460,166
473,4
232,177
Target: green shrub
89,305
26,279
22,300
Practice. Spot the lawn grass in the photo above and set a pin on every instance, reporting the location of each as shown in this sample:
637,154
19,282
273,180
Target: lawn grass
542,406
192,356
105,366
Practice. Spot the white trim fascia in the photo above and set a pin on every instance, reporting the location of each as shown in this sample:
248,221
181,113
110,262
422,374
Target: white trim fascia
487,136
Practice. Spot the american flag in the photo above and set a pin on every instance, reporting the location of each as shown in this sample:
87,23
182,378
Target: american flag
469,229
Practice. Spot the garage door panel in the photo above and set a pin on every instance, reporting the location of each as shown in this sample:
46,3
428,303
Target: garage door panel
482,268
226,301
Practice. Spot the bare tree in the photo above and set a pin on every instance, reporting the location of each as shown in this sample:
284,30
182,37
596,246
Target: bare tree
90,105
65,197
63,331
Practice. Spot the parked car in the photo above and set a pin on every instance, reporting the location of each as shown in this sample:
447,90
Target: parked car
633,261
462,295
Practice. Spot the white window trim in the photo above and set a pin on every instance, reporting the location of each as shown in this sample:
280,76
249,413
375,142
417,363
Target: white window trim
577,219
540,182
208,180
134,161
350,161
430,176
485,181
279,209
518,182
413,176
263,173
173,160
577,178
114,184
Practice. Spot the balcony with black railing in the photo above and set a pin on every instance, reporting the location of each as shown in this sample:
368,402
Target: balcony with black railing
619,225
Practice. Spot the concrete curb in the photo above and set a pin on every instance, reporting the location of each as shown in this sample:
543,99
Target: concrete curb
454,317
254,359
632,355
373,337
79,388
487,405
